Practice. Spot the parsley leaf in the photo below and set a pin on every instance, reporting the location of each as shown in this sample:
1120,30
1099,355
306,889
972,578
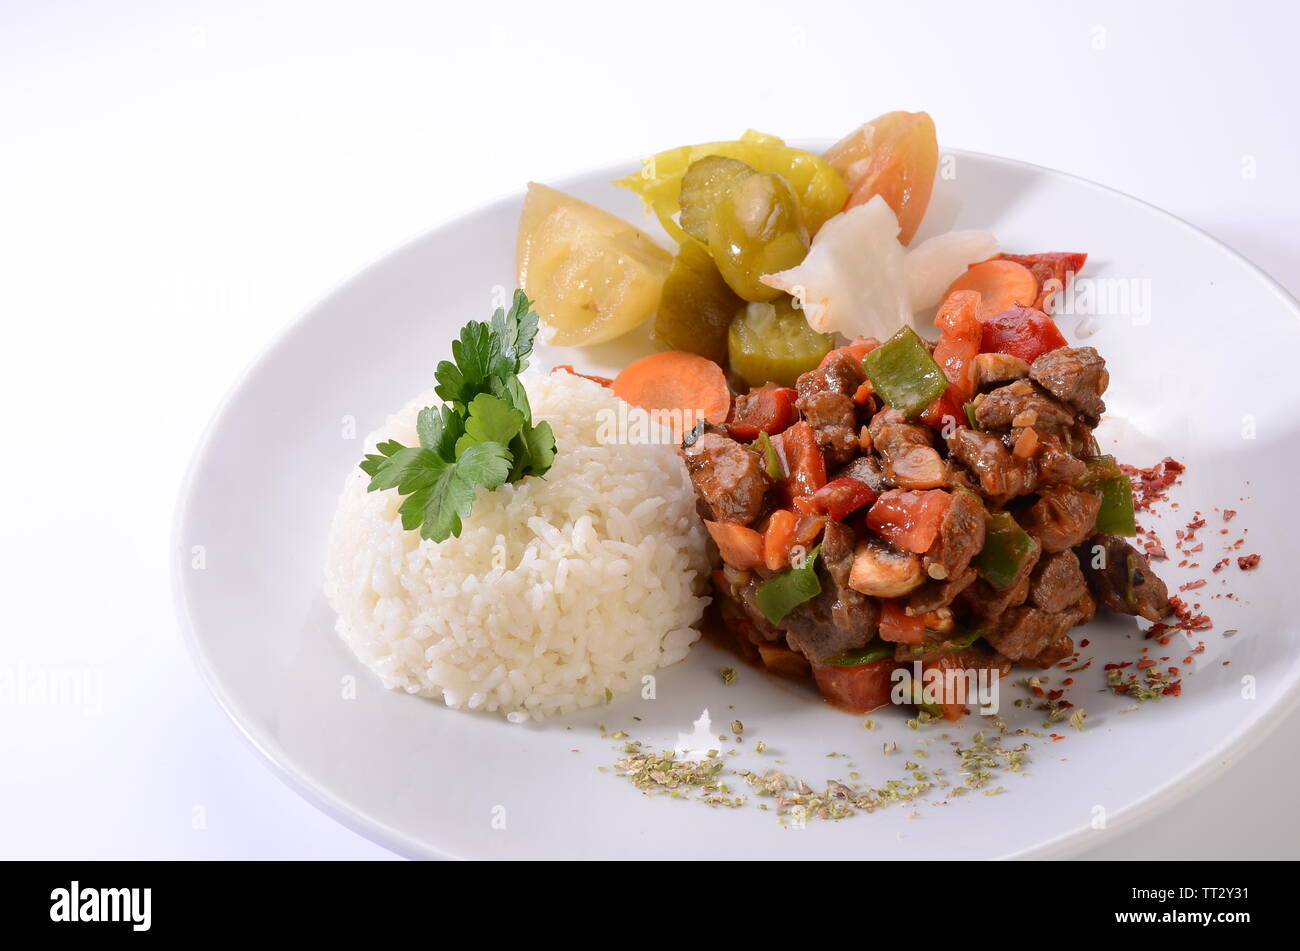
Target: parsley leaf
534,451
491,419
439,428
483,436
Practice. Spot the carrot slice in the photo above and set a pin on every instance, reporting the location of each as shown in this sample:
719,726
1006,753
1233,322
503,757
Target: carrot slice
1000,284
777,539
674,380
740,546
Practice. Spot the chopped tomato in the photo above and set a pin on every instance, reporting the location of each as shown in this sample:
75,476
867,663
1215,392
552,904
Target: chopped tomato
858,349
841,496
809,527
899,627
1050,270
1021,332
805,465
769,409
951,702
959,343
909,519
602,380
740,545
777,539
858,689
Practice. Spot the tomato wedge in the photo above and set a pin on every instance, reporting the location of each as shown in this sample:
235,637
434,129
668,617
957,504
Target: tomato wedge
1021,332
909,519
858,689
899,627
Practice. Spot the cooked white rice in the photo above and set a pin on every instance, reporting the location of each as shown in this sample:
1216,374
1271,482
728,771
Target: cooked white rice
557,590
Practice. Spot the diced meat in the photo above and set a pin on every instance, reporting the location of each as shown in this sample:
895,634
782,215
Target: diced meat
986,603
840,372
868,469
1121,579
1062,517
833,418
839,618
960,538
1053,654
988,370
1026,633
1057,582
1022,404
826,401
1055,463
729,477
1076,376
934,595
999,474
911,461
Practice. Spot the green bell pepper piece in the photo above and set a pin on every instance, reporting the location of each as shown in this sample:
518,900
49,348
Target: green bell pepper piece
861,656
1116,516
771,460
904,373
1007,547
781,594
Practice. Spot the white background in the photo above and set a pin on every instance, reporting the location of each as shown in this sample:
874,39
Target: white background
178,181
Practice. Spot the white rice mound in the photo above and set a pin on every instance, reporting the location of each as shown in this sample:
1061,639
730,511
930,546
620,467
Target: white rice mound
558,589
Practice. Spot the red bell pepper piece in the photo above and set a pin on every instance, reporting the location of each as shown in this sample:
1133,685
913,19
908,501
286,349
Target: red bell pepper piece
805,465
602,380
909,519
769,409
844,495
1021,332
899,627
959,343
858,349
1050,270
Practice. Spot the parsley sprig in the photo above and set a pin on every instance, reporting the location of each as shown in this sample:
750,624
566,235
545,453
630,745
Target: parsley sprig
482,435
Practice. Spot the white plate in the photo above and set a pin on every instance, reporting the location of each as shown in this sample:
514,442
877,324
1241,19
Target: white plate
1208,364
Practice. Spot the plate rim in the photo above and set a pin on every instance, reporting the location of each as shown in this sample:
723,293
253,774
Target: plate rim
1211,764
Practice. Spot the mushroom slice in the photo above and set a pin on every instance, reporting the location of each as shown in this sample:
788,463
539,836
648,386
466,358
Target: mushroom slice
884,572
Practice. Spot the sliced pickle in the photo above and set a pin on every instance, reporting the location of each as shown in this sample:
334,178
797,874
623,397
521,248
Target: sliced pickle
772,343
696,307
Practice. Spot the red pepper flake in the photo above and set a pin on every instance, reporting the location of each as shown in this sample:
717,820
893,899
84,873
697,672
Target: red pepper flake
1229,514
1193,551
1175,689
1083,643
1192,585
1068,681
1121,666
1055,694
1226,663
1247,562
1150,485
1146,663
1220,565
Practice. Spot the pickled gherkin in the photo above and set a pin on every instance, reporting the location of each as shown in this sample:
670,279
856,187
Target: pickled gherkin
772,342
696,306
820,189
757,228
704,186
